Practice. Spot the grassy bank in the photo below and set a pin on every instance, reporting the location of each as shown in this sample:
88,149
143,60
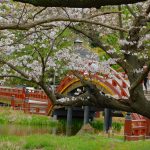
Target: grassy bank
84,142
9,116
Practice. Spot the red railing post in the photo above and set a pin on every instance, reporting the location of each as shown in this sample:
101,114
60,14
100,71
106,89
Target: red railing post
127,126
13,101
26,105
147,127
37,109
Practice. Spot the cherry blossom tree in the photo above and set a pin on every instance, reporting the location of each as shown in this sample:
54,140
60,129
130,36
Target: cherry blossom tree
32,47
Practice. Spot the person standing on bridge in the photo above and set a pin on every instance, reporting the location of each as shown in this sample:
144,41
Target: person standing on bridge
146,78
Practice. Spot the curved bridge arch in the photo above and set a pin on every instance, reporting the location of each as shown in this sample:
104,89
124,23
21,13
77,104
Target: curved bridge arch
70,83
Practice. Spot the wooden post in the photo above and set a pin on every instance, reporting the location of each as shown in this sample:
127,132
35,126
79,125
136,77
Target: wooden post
54,129
26,105
69,121
13,101
55,117
86,115
24,98
107,119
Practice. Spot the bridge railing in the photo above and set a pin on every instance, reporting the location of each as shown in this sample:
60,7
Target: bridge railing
136,127
33,101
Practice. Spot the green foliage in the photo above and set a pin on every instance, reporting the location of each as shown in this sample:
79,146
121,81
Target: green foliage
97,124
116,126
112,40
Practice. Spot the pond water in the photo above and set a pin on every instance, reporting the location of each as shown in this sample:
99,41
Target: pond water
21,130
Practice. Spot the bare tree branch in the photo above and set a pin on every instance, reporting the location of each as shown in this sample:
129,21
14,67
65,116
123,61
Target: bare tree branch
21,14
39,12
104,13
120,23
13,76
148,10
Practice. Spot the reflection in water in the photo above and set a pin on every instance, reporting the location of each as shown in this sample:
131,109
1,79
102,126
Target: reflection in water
21,130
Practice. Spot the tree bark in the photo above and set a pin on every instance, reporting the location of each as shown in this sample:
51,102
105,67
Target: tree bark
78,3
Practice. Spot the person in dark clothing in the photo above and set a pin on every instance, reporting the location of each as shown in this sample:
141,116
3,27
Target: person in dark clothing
145,82
146,78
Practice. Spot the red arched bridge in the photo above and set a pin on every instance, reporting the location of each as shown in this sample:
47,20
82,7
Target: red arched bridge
37,102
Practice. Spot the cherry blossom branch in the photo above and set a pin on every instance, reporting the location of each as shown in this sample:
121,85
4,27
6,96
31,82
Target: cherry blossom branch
42,61
27,26
18,41
140,78
104,13
105,48
82,100
55,41
23,74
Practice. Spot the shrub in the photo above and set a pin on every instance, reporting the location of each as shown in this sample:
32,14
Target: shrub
116,126
97,124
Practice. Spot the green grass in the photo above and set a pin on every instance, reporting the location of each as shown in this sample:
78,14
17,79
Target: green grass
84,142
36,120
9,116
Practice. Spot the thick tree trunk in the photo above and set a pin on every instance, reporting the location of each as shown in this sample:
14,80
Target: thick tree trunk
136,102
78,3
